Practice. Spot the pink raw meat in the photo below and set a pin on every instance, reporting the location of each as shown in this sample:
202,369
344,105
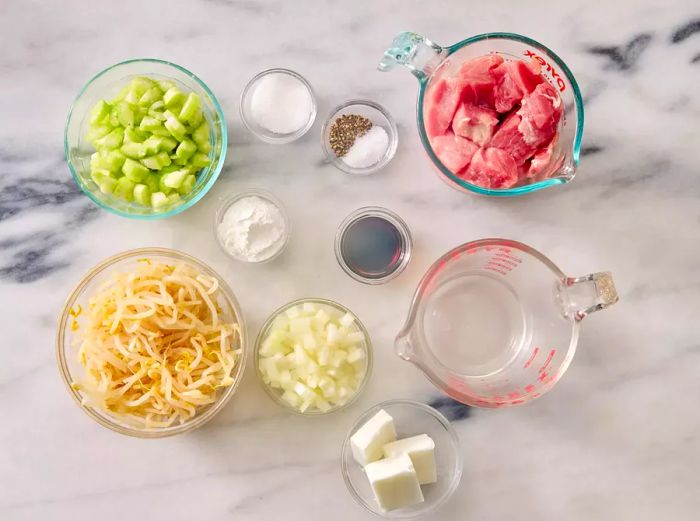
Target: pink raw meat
515,80
454,152
477,80
540,112
509,137
475,123
543,163
492,168
441,101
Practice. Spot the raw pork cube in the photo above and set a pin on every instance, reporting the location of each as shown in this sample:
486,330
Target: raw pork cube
515,80
540,112
492,168
475,123
441,101
477,80
454,152
509,137
544,162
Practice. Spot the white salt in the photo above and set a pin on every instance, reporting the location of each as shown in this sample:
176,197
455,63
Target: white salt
369,149
281,103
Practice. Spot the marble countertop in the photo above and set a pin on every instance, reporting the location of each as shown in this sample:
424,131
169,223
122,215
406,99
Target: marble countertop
619,437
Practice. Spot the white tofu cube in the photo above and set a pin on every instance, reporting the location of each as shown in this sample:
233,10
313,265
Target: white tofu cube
421,450
394,482
368,442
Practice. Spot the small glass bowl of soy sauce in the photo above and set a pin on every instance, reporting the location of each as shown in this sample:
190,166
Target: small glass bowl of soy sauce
373,245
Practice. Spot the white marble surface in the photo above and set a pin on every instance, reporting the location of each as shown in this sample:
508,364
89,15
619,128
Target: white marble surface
618,439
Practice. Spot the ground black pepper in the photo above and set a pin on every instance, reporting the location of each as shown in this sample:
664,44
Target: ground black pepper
345,130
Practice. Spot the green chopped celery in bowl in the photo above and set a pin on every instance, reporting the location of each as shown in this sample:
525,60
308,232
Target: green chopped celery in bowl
145,139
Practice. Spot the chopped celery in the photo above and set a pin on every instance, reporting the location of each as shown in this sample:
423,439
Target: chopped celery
173,98
185,149
134,170
199,160
187,184
134,150
113,161
152,182
158,199
124,188
98,132
150,140
165,85
190,107
174,179
149,124
201,134
142,194
100,112
132,135
125,114
168,144
157,161
174,126
204,148
112,140
150,96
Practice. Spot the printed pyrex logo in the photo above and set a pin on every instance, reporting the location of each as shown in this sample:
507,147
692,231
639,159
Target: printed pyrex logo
555,75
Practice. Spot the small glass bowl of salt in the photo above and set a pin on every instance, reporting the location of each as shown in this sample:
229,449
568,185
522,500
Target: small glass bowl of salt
359,137
278,106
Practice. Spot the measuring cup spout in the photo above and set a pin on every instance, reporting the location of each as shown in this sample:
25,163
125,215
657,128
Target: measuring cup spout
581,296
404,347
415,52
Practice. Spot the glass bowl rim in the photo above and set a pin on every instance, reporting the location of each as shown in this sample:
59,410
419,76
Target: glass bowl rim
103,418
518,190
454,438
284,138
367,347
393,138
203,190
263,194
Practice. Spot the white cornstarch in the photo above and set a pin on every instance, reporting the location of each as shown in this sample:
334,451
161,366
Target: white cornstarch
252,229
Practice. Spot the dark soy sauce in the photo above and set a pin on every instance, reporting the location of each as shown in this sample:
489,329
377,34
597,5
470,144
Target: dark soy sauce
372,247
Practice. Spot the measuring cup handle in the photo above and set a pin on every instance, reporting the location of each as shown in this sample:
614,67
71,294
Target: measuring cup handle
415,52
587,294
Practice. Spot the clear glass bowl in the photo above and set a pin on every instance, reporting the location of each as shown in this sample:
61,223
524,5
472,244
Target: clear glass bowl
69,365
261,132
276,394
378,115
106,85
410,419
391,217
218,218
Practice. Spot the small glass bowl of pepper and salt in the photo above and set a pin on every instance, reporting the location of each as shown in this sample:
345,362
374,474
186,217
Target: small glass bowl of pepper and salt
359,137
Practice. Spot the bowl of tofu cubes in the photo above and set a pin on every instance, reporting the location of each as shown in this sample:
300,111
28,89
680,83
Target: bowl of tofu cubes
313,356
401,459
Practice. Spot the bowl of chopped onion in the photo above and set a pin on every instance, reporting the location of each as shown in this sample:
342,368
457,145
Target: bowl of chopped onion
313,356
151,343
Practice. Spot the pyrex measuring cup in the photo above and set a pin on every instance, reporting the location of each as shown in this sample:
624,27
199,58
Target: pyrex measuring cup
428,61
494,322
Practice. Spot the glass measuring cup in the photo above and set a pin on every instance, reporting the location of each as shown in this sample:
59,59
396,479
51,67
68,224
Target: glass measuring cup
428,61
494,322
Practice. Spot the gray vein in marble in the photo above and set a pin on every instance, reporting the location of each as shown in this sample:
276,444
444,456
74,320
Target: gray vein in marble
624,57
686,31
451,409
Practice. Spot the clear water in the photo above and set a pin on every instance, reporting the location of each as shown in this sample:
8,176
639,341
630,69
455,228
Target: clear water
372,247
474,324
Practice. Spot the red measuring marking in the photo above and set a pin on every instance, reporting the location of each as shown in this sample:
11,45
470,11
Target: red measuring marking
549,359
532,357
529,388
